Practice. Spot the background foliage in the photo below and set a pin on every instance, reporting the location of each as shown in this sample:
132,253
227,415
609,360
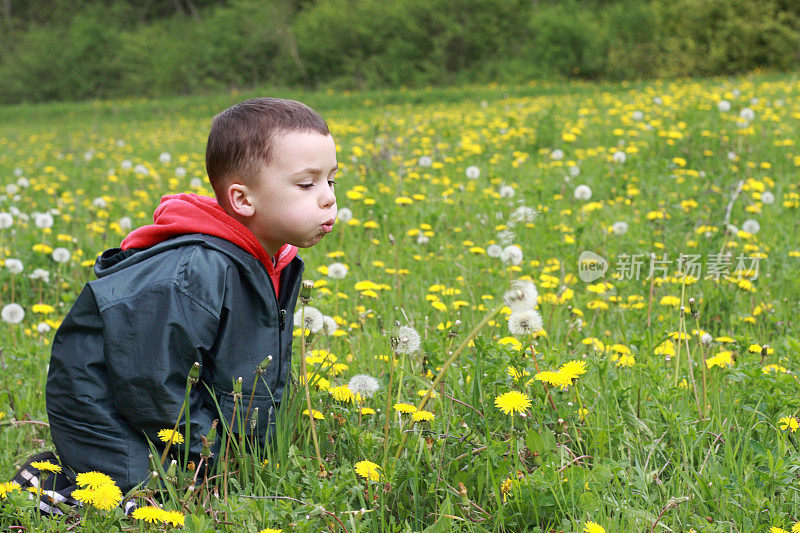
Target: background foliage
64,50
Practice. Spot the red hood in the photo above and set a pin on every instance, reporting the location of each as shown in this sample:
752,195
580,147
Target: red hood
180,214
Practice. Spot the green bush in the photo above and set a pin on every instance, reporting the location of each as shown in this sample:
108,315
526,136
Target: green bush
113,50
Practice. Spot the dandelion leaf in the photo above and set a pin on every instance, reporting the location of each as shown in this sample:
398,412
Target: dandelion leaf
444,524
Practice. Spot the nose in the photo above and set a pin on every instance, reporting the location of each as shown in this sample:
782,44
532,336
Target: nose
327,198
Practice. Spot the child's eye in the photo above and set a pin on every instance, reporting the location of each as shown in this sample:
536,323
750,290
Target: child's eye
331,182
305,186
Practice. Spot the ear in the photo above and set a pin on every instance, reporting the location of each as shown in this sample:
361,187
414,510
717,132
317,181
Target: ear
238,197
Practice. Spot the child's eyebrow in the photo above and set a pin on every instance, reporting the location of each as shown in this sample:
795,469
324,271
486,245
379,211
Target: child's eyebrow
312,170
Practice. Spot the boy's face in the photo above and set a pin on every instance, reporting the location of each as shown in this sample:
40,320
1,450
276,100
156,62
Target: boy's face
293,198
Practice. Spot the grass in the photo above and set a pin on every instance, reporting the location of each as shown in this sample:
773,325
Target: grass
652,437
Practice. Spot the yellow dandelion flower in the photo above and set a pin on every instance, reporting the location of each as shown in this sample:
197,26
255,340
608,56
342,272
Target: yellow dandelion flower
271,530
7,487
318,415
342,393
789,423
722,359
106,497
593,527
46,466
168,434
505,487
175,518
573,369
367,411
777,530
405,408
777,369
367,470
92,480
624,360
796,528
422,416
670,301
149,514
555,379
512,401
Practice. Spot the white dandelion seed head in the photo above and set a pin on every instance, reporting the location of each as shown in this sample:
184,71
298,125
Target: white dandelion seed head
61,255
43,327
574,170
18,172
164,157
23,182
706,338
180,172
511,254
344,215
473,172
767,198
125,223
120,142
195,183
557,154
100,202
329,325
658,100
637,115
494,250
619,157
731,156
312,318
14,265
751,226
406,340
620,227
88,155
506,237
141,169
582,192
747,114
363,385
422,239
337,270
522,296
425,161
12,189
507,191
43,220
724,106
6,220
40,274
12,313
126,164
523,214
525,322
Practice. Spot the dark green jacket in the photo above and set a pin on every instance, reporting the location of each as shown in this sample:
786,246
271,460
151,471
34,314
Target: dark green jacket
121,357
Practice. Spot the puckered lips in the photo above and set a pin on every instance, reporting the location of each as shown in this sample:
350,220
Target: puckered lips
327,226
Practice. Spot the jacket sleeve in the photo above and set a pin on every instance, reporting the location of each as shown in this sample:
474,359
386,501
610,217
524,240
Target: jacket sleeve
152,339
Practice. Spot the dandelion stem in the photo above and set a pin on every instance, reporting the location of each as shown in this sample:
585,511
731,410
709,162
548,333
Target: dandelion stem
175,427
303,373
227,448
445,367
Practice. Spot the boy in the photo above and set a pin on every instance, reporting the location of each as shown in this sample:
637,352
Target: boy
212,281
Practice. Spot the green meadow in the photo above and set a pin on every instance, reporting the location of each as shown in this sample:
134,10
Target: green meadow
651,386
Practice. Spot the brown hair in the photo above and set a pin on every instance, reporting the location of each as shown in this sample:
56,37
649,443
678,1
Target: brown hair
242,137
